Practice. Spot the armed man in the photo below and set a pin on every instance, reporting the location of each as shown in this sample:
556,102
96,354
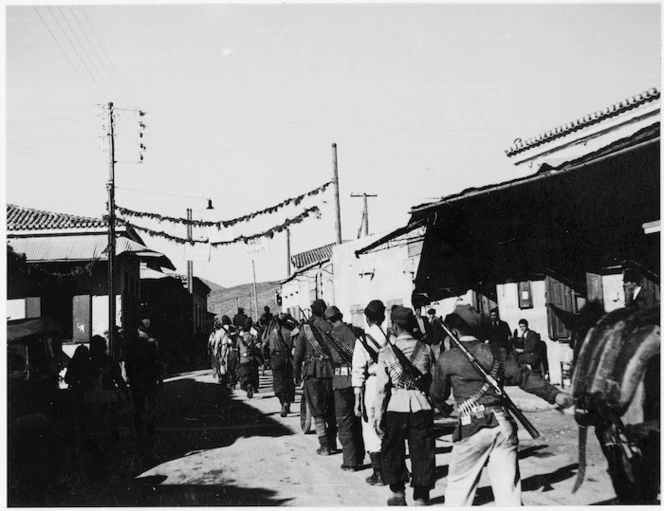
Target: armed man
342,343
365,358
404,371
312,362
486,432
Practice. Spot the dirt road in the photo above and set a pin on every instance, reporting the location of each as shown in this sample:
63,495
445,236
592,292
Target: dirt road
229,450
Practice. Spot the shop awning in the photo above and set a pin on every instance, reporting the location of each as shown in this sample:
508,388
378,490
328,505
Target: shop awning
49,249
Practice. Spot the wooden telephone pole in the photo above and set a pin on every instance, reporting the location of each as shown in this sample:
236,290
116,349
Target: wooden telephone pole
337,221
110,186
365,211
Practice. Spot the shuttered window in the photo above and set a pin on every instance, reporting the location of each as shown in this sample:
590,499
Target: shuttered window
561,296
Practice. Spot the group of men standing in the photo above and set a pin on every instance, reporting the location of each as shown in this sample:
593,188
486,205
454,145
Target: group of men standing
377,390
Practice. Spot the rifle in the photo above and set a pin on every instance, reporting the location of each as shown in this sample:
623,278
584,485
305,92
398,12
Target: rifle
509,404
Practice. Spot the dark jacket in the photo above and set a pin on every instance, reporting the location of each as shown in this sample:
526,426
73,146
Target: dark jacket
453,373
499,334
345,338
530,346
306,363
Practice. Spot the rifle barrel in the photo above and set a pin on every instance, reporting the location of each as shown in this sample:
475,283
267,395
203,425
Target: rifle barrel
493,383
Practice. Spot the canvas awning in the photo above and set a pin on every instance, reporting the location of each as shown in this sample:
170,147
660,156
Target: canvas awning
581,217
43,249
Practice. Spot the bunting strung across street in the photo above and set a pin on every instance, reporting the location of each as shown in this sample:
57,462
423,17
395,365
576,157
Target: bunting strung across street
221,223
265,234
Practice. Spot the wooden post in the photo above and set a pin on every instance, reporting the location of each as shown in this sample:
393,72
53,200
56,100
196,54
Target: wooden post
111,234
365,213
337,221
287,252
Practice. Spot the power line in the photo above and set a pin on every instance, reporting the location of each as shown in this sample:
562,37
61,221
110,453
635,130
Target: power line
66,54
103,65
85,66
106,54
82,46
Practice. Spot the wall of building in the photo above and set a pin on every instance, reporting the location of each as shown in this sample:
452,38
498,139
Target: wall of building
384,274
304,288
508,304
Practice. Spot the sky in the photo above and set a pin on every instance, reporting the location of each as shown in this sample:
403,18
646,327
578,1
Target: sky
244,102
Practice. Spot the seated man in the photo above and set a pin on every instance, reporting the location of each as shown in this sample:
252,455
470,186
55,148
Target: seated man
526,345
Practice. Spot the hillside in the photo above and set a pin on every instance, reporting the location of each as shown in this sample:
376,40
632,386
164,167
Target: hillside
226,300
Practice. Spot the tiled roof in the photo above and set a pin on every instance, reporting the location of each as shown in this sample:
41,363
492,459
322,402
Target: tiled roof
27,219
312,256
585,121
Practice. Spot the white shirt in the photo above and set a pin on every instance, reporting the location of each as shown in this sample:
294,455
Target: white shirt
363,364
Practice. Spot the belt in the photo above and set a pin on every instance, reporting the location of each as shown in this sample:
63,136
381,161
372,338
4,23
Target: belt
481,411
342,371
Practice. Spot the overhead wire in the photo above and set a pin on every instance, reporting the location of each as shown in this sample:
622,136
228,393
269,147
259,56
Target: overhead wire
87,86
73,46
110,62
83,48
120,88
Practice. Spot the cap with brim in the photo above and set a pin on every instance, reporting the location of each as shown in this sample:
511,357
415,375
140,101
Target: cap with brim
375,309
468,314
403,316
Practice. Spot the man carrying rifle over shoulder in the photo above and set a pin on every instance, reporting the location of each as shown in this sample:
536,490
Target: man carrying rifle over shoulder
404,370
312,362
486,429
342,343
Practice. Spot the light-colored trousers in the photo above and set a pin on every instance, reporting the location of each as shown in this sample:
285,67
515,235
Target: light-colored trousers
499,445
371,440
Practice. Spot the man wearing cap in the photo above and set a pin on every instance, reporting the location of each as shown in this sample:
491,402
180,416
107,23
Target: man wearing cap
365,358
437,333
636,296
312,362
342,347
239,318
407,413
279,344
486,432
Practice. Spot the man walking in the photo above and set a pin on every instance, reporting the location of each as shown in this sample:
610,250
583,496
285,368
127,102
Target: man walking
313,362
486,432
279,345
365,358
407,412
342,344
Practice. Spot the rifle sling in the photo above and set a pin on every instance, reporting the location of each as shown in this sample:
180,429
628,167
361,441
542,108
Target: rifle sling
372,353
407,365
342,354
314,341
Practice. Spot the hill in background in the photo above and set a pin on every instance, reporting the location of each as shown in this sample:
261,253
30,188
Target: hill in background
226,300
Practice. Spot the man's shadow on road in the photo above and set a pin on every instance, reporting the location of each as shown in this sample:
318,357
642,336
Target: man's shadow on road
195,417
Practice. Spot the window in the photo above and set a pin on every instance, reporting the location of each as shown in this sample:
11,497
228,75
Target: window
525,295
563,297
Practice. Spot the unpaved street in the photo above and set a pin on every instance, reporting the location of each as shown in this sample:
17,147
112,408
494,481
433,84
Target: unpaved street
235,451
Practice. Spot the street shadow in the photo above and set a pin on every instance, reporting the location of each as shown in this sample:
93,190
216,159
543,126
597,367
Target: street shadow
544,482
147,492
199,416
534,451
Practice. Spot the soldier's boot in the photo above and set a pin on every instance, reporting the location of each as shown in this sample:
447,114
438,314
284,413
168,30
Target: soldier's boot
284,409
398,498
420,496
250,391
376,479
332,441
324,449
321,432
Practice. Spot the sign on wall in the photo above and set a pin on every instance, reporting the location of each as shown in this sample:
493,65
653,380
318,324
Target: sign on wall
256,248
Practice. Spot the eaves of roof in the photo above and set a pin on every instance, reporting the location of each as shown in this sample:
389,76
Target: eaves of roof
584,122
312,256
300,271
646,136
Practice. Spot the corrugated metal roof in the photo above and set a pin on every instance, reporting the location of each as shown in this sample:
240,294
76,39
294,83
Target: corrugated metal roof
583,122
78,248
312,256
27,219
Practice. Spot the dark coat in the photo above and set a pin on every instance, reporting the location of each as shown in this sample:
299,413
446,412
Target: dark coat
314,365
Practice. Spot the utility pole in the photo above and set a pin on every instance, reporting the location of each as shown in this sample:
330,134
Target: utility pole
190,272
287,252
253,268
337,221
365,212
110,186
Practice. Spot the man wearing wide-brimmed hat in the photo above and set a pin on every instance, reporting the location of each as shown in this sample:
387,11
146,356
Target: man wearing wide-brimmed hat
486,433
